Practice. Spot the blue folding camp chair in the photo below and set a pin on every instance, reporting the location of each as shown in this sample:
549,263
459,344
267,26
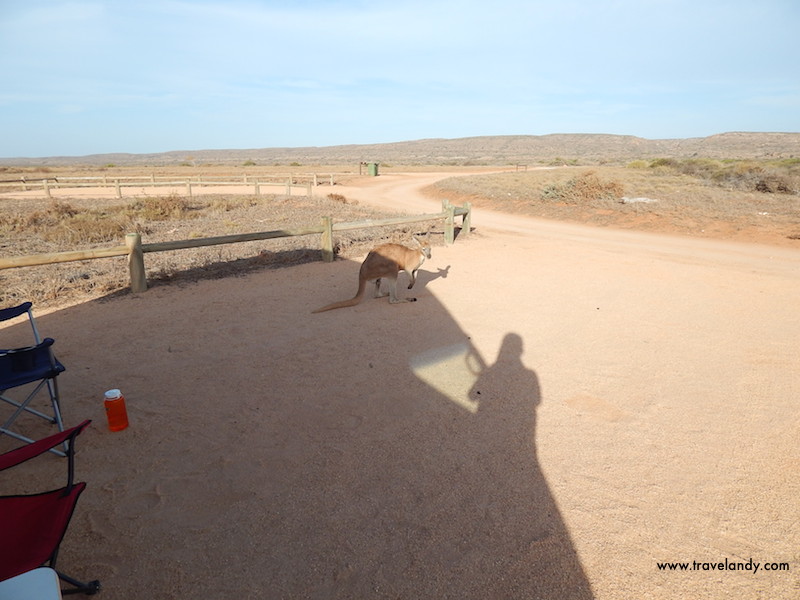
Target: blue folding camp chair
28,371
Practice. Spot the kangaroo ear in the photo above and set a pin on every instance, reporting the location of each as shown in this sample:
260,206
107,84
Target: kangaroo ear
416,241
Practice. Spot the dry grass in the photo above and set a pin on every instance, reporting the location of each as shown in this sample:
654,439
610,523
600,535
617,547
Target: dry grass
644,197
34,226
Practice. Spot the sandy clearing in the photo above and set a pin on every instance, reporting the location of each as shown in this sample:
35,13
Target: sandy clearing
563,408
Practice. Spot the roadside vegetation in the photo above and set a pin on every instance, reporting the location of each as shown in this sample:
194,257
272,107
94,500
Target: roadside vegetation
745,200
771,177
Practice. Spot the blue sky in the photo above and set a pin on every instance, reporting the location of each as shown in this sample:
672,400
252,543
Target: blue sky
88,77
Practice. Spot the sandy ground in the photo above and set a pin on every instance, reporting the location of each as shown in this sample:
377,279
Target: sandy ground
563,409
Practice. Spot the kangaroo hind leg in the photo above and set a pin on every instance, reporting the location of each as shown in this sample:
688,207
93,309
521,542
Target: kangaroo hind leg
393,299
378,293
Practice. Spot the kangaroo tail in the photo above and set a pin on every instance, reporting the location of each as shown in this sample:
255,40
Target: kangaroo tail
362,285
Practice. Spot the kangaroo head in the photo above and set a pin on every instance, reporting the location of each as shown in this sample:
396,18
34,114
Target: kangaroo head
425,247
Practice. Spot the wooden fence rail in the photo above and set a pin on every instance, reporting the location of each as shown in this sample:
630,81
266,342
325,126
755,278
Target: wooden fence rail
187,184
307,181
135,249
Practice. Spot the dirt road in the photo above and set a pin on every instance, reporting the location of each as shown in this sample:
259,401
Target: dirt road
563,409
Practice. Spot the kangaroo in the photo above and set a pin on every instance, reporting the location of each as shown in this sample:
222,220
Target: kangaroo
386,262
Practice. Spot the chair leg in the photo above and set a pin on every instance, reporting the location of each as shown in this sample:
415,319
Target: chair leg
55,399
78,587
21,407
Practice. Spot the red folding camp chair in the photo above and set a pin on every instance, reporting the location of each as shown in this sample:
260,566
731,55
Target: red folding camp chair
33,525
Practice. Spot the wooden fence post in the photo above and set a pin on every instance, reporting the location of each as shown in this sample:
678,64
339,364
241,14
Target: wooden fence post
136,262
189,189
46,188
327,239
119,190
258,188
466,222
450,225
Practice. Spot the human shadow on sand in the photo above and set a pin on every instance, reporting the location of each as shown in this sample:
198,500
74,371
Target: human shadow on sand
500,531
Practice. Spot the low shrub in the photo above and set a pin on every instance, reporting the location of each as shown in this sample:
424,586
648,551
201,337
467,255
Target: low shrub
778,177
231,203
88,227
582,189
160,208
39,220
339,198
61,223
638,164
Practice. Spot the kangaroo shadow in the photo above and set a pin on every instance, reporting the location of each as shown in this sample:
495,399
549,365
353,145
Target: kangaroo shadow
425,277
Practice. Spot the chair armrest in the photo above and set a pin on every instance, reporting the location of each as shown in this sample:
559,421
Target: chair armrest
28,451
19,366
14,311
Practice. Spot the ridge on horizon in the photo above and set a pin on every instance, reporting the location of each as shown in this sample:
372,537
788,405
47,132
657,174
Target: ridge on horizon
486,149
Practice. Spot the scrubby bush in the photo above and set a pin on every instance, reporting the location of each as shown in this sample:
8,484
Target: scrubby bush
582,189
159,208
230,203
669,163
61,223
340,198
38,220
89,227
638,164
779,177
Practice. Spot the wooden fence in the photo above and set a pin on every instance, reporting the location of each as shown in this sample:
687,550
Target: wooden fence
306,181
135,250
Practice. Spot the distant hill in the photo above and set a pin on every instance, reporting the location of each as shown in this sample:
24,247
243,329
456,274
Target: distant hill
485,150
